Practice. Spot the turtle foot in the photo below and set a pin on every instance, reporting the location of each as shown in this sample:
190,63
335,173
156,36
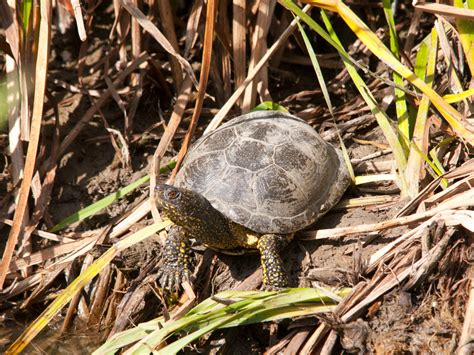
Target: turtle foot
171,276
176,260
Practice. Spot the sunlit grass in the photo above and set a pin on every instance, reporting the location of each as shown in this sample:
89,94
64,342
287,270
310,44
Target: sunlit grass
224,310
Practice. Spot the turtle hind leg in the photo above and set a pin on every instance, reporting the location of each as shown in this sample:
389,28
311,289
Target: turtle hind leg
274,275
177,260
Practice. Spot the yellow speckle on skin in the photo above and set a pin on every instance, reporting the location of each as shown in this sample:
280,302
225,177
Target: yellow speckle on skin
244,236
252,239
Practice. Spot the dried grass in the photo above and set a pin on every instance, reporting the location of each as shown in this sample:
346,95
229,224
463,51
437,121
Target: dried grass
432,258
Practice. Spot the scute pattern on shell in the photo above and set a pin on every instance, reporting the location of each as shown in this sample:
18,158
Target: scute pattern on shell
268,171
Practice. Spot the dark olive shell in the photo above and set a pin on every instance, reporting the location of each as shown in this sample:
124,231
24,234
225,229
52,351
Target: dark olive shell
268,171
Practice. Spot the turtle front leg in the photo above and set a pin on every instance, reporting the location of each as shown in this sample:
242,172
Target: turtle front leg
274,275
177,259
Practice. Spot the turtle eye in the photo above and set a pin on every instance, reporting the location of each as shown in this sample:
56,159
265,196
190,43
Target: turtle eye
173,194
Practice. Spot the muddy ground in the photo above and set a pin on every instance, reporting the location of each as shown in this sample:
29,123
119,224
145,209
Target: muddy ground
400,323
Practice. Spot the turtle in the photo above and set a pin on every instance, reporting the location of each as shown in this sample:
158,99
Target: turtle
250,184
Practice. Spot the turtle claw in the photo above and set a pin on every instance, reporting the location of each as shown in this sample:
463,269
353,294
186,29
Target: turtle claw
170,277
176,260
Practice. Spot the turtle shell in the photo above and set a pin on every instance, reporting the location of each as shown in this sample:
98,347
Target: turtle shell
268,171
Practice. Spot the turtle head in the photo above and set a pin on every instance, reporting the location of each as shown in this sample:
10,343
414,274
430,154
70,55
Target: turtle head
194,213
184,207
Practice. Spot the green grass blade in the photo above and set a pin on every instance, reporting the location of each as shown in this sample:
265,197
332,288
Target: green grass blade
25,7
434,157
375,45
179,344
453,98
324,90
466,33
106,201
381,117
427,161
206,316
269,105
227,309
404,124
421,58
415,162
265,306
316,67
128,337
4,106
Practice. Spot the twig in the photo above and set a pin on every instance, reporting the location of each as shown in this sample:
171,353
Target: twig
466,345
158,36
168,135
395,222
40,85
216,121
74,132
433,257
445,10
81,30
205,68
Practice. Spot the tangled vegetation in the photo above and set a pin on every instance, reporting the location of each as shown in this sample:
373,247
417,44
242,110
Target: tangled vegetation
101,100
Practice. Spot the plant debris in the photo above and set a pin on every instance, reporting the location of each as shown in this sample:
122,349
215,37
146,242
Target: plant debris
99,102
